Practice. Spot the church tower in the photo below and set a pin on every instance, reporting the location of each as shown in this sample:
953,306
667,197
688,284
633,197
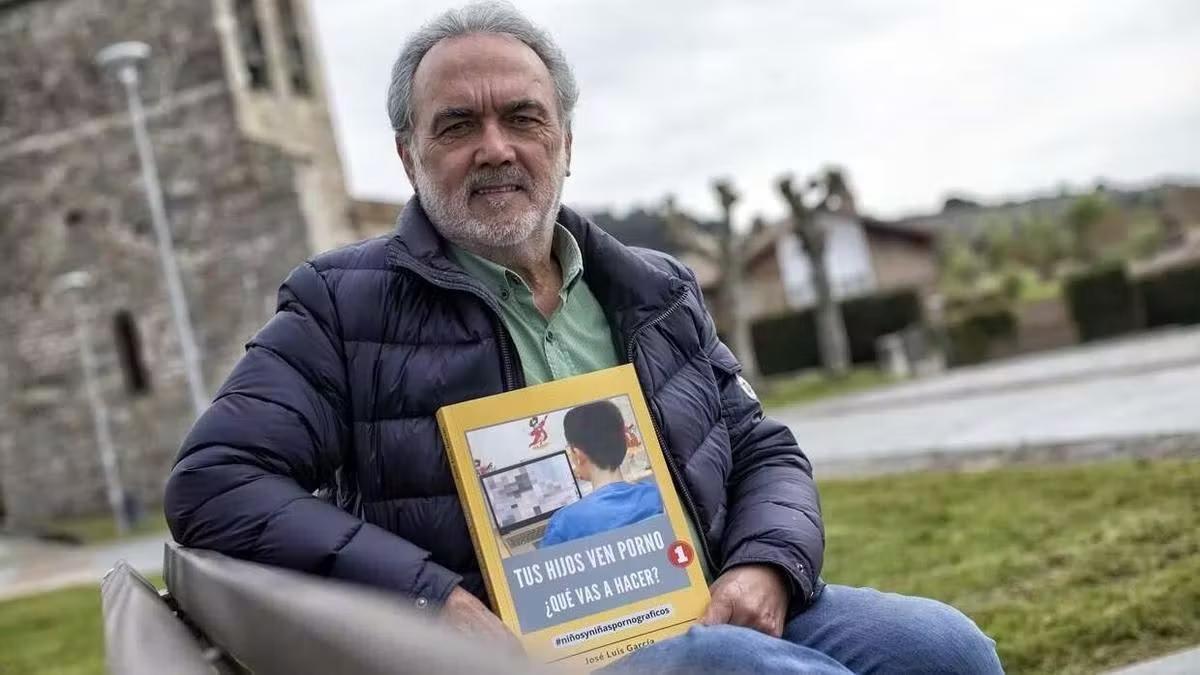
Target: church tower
236,110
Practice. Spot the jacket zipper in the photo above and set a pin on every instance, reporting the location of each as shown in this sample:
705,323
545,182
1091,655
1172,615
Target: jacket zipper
510,379
688,502
506,357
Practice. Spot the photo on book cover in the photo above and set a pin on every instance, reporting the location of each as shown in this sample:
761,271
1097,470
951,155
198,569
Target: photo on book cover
576,511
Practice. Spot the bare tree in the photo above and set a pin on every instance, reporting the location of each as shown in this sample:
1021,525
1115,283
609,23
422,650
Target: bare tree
831,193
725,249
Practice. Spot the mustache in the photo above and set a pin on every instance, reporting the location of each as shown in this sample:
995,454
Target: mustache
495,176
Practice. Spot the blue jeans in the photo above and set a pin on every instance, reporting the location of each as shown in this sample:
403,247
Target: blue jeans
847,630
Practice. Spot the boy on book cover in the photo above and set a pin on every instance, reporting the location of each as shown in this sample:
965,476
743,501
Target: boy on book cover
596,435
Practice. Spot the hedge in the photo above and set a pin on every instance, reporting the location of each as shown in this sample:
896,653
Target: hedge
1171,297
1103,302
788,342
970,339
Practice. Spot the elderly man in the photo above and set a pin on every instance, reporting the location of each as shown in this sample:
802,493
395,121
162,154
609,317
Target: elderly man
488,284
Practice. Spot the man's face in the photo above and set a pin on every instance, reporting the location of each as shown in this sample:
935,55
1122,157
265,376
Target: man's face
488,153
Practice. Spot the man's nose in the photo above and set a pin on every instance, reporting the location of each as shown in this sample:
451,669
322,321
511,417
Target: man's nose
494,146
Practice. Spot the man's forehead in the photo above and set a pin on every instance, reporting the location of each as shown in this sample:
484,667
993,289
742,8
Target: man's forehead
456,71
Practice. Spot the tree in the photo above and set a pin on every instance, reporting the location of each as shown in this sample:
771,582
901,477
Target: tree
832,193
1082,217
726,250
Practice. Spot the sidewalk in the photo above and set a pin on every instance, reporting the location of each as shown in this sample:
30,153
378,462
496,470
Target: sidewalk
29,566
1180,663
1130,397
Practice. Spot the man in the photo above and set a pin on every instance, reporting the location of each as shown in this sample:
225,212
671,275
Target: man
596,436
489,284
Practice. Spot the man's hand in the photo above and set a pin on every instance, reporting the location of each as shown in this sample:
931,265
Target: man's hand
754,596
468,615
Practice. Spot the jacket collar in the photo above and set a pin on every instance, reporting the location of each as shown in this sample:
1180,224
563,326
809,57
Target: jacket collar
629,288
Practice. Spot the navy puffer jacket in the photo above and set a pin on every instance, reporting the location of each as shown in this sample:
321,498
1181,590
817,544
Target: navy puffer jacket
339,390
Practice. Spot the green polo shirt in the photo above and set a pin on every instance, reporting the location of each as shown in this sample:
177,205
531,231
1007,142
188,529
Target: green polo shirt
575,340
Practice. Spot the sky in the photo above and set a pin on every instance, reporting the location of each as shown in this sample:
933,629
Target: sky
915,99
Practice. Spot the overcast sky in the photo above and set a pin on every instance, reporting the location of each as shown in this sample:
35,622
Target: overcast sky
915,99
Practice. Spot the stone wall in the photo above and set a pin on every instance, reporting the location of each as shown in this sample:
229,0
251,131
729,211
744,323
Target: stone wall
71,198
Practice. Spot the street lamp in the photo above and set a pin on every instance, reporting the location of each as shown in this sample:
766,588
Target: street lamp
122,60
72,285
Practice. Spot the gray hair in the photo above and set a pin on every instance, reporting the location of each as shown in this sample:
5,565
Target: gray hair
478,17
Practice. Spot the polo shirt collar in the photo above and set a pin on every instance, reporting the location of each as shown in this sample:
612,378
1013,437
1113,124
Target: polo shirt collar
503,281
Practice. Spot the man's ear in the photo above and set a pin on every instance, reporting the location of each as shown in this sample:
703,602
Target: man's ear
406,159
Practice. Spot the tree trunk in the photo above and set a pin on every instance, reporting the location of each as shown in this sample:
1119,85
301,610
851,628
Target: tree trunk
831,329
735,318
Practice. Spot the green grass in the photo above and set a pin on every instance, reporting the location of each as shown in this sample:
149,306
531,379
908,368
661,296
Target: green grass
1070,569
99,529
58,633
809,387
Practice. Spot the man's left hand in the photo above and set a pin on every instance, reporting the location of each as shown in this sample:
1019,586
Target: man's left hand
754,596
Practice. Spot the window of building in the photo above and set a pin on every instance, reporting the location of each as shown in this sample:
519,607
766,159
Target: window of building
129,352
250,37
293,45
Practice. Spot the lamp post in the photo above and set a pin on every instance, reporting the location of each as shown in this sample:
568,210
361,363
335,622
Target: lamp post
72,285
123,60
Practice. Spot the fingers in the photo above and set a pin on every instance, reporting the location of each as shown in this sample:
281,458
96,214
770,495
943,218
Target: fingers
752,611
719,611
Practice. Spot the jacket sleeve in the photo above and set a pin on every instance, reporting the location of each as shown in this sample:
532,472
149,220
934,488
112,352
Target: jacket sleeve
244,480
774,511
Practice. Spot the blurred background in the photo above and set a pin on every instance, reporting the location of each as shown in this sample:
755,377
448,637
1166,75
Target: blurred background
956,246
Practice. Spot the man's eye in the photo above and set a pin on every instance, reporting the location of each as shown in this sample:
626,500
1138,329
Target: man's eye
456,128
524,120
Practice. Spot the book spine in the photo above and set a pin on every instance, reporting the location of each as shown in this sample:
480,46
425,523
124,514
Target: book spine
461,476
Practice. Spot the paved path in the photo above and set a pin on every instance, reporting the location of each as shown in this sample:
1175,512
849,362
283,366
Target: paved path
28,566
1106,393
1179,663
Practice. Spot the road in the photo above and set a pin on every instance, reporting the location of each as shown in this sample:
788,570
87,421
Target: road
1127,389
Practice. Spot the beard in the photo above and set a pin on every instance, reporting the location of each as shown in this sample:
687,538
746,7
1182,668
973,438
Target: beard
501,225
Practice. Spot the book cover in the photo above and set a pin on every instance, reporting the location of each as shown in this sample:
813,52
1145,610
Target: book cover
577,526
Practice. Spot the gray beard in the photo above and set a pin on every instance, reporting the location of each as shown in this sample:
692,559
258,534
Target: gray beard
451,214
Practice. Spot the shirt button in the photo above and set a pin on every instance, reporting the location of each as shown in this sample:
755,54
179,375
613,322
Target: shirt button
549,336
422,602
504,294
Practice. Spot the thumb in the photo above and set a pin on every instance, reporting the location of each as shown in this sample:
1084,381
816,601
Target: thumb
718,612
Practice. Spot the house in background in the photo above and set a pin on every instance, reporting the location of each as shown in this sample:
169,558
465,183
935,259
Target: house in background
865,256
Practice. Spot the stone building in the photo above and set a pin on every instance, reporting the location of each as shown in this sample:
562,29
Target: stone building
236,111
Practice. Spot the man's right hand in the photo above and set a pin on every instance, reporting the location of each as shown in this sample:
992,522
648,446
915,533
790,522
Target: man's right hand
468,615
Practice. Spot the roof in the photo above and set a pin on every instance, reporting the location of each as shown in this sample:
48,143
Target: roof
649,230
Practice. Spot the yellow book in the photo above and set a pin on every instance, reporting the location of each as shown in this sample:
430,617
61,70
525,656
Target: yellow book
577,527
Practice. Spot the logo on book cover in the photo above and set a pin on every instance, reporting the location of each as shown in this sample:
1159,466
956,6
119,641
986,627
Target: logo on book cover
681,554
538,436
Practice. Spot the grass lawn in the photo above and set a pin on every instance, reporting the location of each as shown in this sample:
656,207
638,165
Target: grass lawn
1071,569
58,633
811,386
99,529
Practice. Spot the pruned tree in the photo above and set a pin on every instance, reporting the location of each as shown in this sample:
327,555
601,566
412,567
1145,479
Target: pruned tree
725,249
827,191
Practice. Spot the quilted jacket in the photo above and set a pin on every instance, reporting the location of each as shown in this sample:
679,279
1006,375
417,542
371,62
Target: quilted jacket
321,452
